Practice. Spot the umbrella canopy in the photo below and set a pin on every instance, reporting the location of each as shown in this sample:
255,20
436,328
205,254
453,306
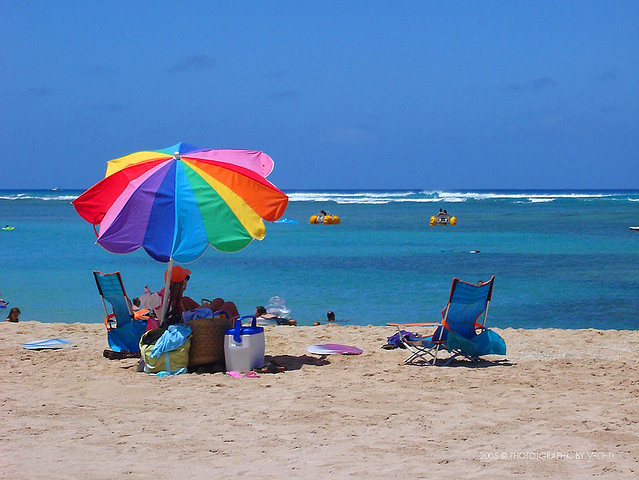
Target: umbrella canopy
176,201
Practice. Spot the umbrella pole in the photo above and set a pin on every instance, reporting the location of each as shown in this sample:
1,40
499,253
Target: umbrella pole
167,297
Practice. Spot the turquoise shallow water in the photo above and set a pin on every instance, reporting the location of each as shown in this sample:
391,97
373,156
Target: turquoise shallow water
561,258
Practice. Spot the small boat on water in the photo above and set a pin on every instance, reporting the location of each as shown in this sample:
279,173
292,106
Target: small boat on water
7,228
324,218
636,229
443,218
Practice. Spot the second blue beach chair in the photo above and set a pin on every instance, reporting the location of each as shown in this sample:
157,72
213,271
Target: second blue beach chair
462,330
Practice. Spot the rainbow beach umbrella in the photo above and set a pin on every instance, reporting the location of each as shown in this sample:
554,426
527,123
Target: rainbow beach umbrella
177,201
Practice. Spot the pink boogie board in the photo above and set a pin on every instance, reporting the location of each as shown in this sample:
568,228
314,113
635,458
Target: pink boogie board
332,348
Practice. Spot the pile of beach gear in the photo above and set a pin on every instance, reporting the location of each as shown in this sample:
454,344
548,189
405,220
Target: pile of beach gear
205,342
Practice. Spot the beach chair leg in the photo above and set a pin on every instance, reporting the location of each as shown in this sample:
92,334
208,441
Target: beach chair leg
437,347
410,358
423,355
451,359
418,354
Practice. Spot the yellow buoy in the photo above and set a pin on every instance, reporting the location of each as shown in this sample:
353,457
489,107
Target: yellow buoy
336,220
313,219
433,221
453,220
328,219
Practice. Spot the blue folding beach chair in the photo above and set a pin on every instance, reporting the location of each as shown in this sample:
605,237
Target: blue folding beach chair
462,330
123,329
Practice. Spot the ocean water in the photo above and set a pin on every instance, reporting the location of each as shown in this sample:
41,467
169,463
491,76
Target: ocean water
564,259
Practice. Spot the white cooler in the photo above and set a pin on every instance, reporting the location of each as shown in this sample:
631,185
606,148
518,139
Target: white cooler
244,346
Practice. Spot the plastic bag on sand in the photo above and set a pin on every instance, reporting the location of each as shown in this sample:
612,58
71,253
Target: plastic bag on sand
277,306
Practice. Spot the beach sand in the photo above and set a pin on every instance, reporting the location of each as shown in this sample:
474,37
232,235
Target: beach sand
564,404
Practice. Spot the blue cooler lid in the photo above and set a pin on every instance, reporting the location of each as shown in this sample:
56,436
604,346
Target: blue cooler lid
238,330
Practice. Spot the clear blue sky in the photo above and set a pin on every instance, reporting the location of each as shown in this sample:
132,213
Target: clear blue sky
342,94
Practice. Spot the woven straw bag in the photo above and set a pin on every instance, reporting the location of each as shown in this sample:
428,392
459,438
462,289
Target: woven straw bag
207,339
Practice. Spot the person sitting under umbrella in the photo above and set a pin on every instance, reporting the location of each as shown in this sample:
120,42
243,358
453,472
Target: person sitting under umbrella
178,303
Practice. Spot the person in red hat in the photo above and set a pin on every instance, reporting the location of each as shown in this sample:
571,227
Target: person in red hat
179,274
178,303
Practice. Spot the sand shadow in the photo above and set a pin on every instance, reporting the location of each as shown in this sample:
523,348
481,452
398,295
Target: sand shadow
291,362
464,363
272,364
483,363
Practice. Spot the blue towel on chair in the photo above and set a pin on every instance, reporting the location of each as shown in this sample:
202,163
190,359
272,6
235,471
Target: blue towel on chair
486,343
127,338
490,343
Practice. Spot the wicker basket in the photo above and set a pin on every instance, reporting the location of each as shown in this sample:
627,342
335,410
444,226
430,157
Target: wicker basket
207,340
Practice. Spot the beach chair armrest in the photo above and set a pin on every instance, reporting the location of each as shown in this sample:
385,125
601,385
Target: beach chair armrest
479,328
419,338
141,313
419,324
110,321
